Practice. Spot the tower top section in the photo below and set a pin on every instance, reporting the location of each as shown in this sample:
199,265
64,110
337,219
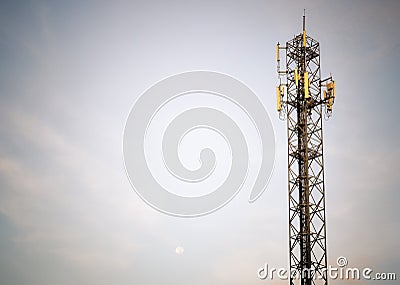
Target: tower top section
299,79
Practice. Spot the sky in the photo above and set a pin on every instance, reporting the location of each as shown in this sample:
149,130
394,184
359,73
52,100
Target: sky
70,72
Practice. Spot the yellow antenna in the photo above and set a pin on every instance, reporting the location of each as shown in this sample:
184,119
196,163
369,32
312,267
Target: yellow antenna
306,86
277,52
278,99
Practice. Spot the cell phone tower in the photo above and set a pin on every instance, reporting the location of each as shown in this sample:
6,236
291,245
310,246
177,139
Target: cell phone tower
301,103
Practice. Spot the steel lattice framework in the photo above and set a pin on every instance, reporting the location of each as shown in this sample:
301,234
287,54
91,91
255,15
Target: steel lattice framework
303,106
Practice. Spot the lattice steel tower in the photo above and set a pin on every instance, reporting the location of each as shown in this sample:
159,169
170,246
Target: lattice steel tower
300,102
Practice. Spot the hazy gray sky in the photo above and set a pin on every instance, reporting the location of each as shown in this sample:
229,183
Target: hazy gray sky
69,73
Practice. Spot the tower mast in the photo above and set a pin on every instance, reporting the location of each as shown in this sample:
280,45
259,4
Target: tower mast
300,102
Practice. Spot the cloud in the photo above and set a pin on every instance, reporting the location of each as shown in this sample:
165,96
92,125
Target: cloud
70,73
69,202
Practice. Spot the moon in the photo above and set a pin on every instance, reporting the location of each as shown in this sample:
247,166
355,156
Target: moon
179,250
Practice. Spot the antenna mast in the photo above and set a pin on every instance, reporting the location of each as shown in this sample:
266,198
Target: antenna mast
300,102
